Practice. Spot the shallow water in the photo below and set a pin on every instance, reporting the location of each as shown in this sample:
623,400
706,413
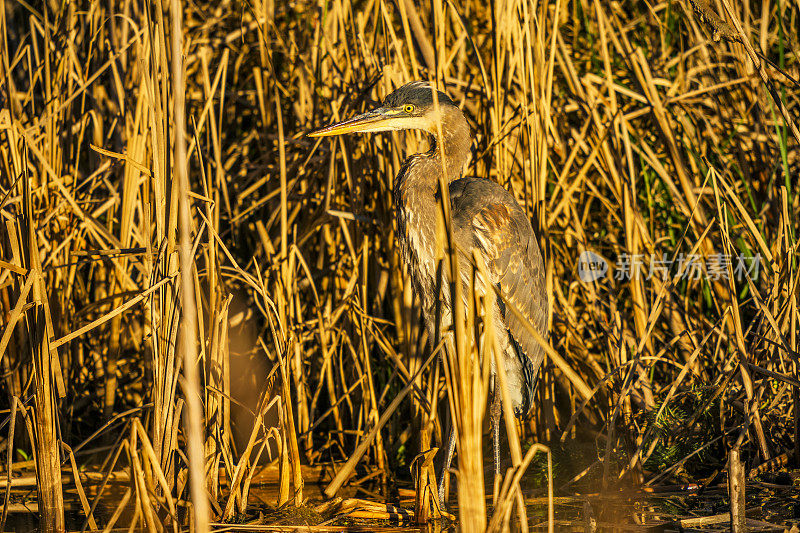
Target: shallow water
773,504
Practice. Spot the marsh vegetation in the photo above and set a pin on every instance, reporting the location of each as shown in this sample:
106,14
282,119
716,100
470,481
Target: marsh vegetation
276,317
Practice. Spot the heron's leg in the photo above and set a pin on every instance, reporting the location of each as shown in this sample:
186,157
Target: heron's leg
494,415
448,459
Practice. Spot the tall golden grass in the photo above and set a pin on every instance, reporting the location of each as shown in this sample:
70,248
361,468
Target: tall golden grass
168,352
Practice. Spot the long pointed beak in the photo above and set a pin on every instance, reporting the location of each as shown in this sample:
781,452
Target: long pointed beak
367,122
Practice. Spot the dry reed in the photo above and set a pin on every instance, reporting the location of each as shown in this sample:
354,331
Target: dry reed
630,130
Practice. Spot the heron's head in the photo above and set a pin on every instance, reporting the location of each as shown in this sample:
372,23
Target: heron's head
408,107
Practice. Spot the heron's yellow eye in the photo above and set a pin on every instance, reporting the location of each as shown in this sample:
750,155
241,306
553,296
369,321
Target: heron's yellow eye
408,108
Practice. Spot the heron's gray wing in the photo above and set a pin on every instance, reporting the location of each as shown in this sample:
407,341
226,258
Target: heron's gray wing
504,235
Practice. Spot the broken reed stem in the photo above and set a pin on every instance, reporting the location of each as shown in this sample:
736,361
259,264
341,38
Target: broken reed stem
45,358
194,407
292,350
736,491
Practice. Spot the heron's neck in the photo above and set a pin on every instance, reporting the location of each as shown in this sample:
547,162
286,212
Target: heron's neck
446,158
415,197
451,155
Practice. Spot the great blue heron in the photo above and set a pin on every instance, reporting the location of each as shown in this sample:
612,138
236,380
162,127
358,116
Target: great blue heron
485,217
